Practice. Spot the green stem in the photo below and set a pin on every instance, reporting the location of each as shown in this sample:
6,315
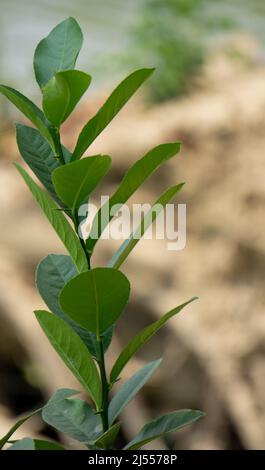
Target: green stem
82,241
58,145
105,387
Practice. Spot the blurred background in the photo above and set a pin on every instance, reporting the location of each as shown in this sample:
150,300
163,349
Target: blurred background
209,92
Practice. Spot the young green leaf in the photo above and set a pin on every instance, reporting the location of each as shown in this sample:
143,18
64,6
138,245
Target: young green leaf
128,245
56,397
130,388
74,182
23,444
58,51
163,425
75,418
132,180
39,156
52,273
141,338
95,299
62,93
108,438
58,221
73,352
30,110
111,107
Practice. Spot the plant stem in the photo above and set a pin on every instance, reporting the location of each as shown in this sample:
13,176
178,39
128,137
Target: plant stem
82,241
105,387
59,150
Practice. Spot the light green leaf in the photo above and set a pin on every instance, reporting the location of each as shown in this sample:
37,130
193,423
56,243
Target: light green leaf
128,245
74,182
58,221
130,388
23,444
58,395
62,93
163,425
96,298
39,156
132,180
111,107
108,438
73,352
141,338
58,51
75,418
52,273
30,110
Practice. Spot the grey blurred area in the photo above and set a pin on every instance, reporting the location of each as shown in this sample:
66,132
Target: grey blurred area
213,352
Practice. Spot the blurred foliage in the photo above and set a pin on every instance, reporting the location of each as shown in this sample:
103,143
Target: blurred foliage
173,35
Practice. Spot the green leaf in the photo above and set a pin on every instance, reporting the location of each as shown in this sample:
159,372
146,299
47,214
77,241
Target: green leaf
58,51
52,273
128,245
162,425
58,221
30,110
74,182
130,388
23,444
41,444
132,180
96,298
62,93
39,156
75,418
111,107
108,438
73,352
57,396
141,338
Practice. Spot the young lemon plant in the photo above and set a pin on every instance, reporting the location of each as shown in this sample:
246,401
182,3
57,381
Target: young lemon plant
84,301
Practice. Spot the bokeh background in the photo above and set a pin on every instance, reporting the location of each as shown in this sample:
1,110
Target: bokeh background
208,92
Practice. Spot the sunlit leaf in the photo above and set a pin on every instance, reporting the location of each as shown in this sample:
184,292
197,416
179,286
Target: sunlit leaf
58,51
95,299
111,107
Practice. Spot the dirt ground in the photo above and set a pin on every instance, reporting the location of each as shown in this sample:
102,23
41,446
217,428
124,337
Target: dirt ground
214,353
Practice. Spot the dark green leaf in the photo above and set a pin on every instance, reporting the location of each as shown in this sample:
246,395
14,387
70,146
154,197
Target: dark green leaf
141,338
62,93
58,51
130,388
75,418
30,110
132,180
111,107
127,246
96,298
162,425
52,273
74,182
108,438
41,444
39,156
73,352
58,395
23,444
58,221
